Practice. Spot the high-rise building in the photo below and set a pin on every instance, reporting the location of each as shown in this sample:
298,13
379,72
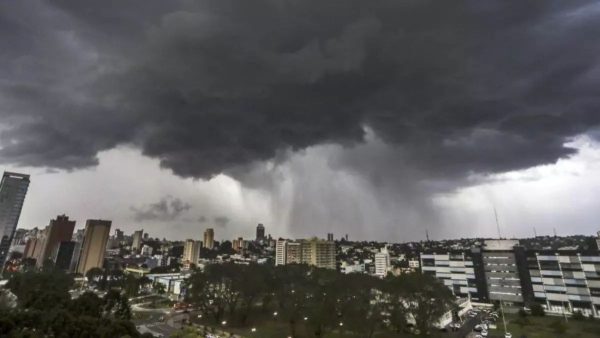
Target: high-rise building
280,252
13,189
59,230
191,252
330,236
260,232
94,245
382,263
319,253
501,271
598,241
136,245
293,253
238,244
209,238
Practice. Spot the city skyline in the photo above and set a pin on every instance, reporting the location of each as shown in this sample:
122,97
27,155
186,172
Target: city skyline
376,119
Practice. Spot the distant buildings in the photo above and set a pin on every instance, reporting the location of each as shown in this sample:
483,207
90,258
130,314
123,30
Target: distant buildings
314,252
330,237
209,238
238,244
136,244
260,233
63,256
13,189
94,245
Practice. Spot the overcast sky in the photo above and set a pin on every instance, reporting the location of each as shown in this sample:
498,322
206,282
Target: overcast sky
379,119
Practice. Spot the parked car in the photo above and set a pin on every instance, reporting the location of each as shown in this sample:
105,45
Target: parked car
507,335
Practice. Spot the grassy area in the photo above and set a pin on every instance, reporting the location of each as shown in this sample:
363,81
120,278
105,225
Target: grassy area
549,327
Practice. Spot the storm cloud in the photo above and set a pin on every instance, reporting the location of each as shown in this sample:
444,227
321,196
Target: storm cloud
207,86
406,97
168,208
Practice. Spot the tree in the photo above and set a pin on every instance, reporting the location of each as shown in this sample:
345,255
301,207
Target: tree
131,285
44,290
424,297
116,305
578,315
250,288
88,304
361,304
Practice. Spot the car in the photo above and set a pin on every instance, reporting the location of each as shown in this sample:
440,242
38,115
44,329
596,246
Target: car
484,333
478,328
507,335
478,336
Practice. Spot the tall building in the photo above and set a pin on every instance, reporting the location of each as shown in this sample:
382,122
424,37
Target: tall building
382,263
136,245
293,253
330,236
598,241
191,252
94,245
209,238
281,252
319,253
260,232
59,230
238,244
13,189
501,271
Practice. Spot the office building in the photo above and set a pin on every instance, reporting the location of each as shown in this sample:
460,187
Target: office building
260,232
13,189
330,237
59,230
598,241
136,243
382,263
93,247
566,281
63,255
209,238
191,253
458,270
501,271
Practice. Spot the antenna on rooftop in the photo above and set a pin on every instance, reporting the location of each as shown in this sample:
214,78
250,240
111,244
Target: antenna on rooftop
497,223
554,229
534,232
427,234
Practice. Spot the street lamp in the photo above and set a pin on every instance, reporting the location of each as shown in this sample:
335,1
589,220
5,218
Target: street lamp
224,322
253,329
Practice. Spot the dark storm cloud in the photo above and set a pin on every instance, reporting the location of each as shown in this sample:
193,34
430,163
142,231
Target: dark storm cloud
167,209
454,88
221,221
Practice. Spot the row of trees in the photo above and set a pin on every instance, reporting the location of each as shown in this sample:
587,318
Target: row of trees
319,300
45,308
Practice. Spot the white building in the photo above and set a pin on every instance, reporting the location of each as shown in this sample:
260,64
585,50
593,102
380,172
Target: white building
280,252
382,263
